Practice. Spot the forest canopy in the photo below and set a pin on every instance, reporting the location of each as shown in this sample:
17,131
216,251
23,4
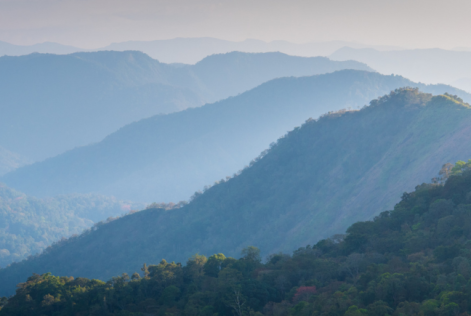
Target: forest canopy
413,260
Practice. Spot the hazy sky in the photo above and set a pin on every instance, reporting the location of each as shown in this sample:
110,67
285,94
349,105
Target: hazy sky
96,23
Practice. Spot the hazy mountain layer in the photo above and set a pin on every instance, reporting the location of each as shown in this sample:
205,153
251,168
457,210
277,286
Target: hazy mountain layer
28,225
47,47
10,161
52,103
169,157
314,182
192,50
422,65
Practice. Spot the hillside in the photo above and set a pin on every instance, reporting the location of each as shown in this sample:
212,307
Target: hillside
414,260
422,65
28,225
74,100
313,183
167,158
229,74
10,161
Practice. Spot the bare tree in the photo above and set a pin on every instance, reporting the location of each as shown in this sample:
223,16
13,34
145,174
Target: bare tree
237,303
353,265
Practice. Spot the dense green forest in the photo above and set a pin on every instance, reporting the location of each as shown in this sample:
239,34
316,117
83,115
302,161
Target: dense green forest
149,161
413,260
314,182
28,225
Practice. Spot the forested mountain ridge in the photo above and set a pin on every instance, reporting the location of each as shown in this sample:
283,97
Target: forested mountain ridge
77,99
149,161
28,225
314,182
414,260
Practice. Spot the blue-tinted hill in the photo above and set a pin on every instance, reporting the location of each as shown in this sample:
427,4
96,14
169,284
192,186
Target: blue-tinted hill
53,103
168,157
314,182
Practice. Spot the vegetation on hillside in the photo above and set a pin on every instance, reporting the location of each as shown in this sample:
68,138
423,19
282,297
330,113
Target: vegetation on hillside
414,260
28,225
313,183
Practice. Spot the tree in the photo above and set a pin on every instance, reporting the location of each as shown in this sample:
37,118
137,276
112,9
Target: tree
145,270
445,172
251,253
213,265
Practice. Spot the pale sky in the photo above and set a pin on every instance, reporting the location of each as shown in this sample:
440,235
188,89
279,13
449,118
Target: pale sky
97,23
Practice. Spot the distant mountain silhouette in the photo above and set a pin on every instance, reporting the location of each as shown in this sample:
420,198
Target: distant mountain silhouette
46,47
314,182
191,50
168,157
52,103
422,65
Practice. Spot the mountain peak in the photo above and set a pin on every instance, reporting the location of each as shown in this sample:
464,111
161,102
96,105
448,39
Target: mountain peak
404,97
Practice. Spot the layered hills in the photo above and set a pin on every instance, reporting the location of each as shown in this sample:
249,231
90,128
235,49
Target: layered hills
28,225
423,65
166,158
313,183
9,161
192,50
46,47
74,100
414,260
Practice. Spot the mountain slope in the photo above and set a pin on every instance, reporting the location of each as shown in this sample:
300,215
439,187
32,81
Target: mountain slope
423,65
169,157
414,260
10,161
28,225
77,99
53,103
315,182
224,75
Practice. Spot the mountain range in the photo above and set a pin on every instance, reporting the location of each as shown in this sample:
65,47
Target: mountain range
422,65
312,183
74,100
166,158
7,49
192,50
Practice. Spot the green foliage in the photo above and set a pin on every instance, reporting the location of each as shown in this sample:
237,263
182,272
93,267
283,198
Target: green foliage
314,182
395,270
